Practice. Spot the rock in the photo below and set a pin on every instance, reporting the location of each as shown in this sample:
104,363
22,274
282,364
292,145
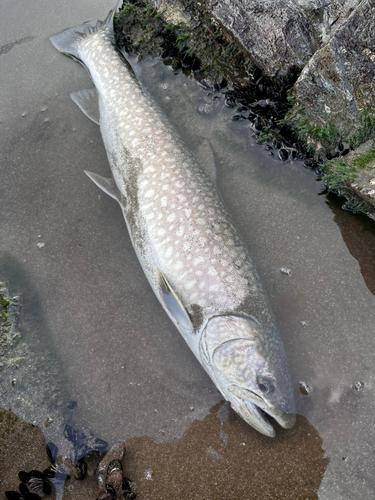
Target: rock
276,33
172,11
353,177
337,85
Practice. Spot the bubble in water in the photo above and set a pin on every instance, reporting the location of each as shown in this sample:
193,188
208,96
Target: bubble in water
165,86
148,474
358,386
304,389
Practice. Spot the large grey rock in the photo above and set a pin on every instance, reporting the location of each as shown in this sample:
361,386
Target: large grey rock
337,84
281,33
276,33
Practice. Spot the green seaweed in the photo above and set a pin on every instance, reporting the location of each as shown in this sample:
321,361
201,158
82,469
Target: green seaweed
366,131
340,174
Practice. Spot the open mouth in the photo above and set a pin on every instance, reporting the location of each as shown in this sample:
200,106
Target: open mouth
256,411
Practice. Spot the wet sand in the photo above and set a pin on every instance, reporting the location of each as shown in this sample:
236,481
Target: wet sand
218,457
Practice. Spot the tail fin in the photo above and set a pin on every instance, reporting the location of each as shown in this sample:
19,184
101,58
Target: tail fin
68,40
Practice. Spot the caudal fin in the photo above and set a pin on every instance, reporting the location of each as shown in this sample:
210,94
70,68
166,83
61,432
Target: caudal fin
68,40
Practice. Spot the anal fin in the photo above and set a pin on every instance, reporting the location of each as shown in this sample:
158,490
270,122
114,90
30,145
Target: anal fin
88,102
174,304
107,185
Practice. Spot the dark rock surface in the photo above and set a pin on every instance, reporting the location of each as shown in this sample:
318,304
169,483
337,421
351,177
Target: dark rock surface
276,33
337,85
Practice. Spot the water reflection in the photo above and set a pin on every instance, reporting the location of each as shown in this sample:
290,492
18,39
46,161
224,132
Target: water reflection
31,374
217,457
358,232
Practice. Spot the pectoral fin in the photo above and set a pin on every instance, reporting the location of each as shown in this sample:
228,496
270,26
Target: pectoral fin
88,102
106,185
174,304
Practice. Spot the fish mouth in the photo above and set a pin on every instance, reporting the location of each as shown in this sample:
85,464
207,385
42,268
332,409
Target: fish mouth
254,410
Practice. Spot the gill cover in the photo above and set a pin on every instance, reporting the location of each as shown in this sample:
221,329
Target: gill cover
250,369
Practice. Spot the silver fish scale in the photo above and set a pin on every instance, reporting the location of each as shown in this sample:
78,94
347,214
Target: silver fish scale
176,219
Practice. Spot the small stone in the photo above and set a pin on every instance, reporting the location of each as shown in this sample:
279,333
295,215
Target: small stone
358,386
303,323
285,270
304,389
40,245
148,474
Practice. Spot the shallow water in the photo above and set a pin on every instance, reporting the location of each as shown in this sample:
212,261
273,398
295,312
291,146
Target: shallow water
104,341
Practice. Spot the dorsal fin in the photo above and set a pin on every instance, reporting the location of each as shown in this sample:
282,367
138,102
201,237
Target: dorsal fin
174,305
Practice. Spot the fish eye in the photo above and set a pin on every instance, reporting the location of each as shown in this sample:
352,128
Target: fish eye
266,384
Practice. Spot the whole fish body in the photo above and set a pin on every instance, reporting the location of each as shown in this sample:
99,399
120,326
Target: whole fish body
185,240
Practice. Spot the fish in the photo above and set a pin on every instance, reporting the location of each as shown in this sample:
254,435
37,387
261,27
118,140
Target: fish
187,244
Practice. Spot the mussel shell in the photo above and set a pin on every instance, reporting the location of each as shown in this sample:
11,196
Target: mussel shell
35,484
31,496
230,103
35,473
312,164
13,495
283,154
23,476
80,470
23,489
47,488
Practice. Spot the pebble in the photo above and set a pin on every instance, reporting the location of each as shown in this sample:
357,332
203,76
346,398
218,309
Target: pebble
285,270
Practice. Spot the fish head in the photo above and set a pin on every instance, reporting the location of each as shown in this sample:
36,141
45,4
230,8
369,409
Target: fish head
250,369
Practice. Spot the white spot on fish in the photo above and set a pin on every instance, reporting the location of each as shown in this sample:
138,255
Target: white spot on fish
190,284
180,231
149,193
